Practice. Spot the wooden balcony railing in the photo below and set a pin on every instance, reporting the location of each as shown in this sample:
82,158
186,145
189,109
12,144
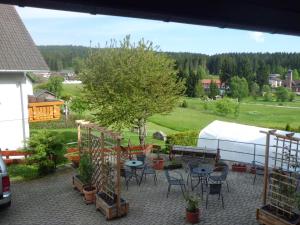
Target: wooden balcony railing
44,111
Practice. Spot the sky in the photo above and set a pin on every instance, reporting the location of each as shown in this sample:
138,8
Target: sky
52,27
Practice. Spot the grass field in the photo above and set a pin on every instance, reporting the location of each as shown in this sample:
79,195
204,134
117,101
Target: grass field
194,117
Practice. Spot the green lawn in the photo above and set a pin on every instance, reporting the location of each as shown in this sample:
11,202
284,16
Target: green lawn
72,89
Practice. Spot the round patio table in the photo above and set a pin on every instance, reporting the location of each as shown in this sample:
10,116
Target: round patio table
133,164
203,173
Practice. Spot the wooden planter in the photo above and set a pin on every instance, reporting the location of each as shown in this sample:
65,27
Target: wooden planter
77,183
239,168
109,208
158,163
264,216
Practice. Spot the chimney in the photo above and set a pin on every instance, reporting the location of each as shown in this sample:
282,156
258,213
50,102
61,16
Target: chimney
289,79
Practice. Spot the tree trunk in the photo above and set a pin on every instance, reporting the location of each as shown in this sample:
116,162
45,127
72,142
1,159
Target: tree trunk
142,131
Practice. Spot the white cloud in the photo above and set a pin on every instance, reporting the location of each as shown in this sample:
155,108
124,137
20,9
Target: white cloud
36,13
257,36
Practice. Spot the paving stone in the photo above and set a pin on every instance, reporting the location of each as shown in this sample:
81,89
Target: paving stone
51,200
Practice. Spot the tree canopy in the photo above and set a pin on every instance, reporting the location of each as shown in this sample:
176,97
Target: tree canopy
238,87
128,82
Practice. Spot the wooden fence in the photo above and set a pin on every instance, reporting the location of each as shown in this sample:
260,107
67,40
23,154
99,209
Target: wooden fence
9,153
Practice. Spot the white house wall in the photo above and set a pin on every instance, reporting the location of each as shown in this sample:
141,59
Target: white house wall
13,129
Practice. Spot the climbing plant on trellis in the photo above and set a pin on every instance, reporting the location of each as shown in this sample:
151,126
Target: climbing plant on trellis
104,147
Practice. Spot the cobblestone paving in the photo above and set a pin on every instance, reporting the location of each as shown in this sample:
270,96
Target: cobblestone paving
52,200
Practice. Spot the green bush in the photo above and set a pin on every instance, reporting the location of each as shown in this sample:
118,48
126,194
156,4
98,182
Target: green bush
86,169
226,106
188,138
46,167
184,104
292,96
268,96
288,127
282,94
45,145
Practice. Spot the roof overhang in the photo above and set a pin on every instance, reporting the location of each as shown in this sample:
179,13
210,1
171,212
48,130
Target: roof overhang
272,16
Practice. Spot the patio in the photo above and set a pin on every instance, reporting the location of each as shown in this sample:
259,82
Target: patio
52,200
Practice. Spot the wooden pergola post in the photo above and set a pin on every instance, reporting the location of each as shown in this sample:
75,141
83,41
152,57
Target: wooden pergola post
78,137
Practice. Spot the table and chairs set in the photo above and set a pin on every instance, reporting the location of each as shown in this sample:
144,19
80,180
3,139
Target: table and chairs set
199,173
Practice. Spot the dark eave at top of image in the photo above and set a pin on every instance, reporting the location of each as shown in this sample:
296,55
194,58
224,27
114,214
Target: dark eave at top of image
272,16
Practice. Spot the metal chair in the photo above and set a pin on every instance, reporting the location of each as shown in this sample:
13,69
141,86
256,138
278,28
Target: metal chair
215,189
175,181
142,158
191,165
259,170
222,177
148,170
127,174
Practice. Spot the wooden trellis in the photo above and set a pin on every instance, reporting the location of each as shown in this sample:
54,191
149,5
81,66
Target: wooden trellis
104,147
281,182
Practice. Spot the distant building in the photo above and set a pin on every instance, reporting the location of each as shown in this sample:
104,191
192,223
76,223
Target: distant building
293,85
206,83
274,80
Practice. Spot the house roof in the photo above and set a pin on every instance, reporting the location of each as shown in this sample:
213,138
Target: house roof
17,49
267,15
208,81
40,92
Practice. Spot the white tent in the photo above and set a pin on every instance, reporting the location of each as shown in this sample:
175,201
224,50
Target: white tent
237,142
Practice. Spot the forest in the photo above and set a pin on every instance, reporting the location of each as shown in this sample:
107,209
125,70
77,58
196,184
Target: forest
254,67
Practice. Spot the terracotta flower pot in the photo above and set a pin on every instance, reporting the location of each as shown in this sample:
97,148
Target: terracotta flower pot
193,217
158,163
89,194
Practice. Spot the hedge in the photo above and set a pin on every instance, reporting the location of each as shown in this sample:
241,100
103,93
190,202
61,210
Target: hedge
188,138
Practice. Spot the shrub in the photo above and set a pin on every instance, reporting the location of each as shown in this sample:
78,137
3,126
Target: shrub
188,138
226,106
184,104
268,96
292,96
288,127
46,167
282,94
45,145
86,169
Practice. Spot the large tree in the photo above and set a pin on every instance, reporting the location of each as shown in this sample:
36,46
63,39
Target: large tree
239,87
126,83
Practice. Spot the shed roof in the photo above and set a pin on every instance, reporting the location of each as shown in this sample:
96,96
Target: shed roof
17,49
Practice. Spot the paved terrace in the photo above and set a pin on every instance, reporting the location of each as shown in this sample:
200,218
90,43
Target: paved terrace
52,200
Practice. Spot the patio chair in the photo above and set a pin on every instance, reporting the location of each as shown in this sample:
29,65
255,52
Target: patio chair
191,165
215,189
175,181
259,170
127,174
142,158
222,177
148,170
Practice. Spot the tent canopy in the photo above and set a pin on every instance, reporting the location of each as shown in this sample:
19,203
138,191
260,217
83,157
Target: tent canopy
237,142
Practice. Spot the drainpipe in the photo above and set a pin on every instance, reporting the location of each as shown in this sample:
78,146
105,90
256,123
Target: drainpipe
23,114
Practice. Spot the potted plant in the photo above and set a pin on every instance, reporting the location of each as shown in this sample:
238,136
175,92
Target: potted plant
86,170
158,161
192,208
74,157
239,167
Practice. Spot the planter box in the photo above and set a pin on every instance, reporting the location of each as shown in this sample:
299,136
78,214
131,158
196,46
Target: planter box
239,168
77,183
158,164
173,166
264,216
108,206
